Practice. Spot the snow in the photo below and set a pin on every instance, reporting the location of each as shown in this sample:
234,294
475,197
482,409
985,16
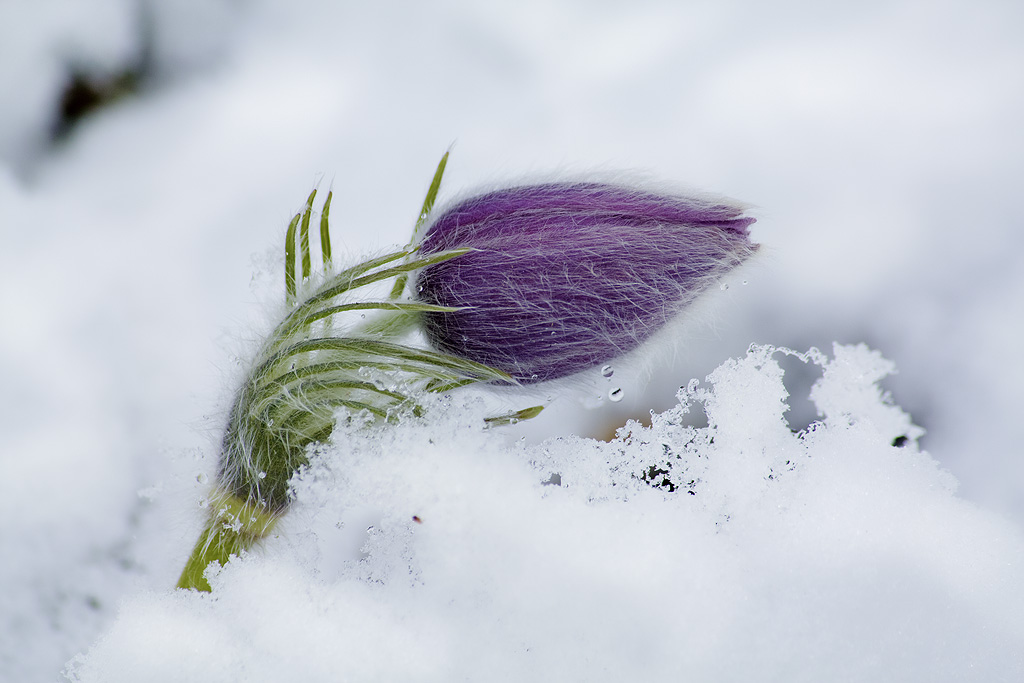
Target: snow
880,142
824,555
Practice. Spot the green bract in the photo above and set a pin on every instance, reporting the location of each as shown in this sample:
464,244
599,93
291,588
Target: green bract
311,367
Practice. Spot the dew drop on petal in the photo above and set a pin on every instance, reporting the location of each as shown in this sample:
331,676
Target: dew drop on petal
616,394
607,371
262,475
201,478
725,286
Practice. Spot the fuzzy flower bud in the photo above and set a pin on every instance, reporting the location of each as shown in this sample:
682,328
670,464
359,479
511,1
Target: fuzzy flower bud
566,276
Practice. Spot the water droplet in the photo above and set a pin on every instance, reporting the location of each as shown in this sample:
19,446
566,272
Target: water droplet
263,475
744,282
725,286
607,371
616,394
201,478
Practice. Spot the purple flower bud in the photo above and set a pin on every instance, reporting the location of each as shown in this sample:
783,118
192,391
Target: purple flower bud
566,276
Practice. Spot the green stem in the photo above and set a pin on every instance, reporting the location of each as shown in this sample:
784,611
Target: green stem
235,525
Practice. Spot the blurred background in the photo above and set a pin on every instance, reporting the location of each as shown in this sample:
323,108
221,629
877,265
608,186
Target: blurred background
152,153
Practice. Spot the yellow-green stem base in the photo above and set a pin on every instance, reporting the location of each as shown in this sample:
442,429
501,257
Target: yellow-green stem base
234,525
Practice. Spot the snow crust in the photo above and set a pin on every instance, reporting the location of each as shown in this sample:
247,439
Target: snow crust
437,551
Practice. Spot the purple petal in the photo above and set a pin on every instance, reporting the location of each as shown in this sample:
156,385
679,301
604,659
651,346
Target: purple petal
566,277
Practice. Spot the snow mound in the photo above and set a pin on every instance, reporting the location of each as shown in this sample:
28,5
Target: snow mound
741,550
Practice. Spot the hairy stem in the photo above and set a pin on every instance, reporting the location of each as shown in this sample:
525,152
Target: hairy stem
235,525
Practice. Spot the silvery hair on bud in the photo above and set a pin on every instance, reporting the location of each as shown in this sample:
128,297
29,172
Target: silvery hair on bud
565,276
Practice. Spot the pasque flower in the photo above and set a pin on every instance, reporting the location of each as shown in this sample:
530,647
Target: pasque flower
519,285
565,276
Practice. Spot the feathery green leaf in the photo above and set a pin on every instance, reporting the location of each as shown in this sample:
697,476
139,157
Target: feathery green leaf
325,232
307,266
